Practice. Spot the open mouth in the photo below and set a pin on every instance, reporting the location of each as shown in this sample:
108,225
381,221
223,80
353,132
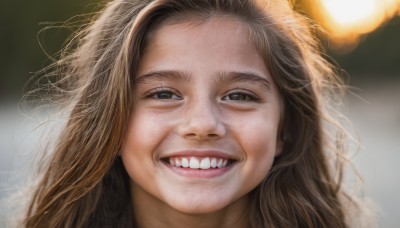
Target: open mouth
193,162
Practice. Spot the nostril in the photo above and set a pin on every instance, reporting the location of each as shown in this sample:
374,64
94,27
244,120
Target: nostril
197,129
212,135
202,136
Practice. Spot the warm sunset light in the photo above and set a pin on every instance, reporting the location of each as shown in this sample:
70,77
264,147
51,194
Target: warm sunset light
347,20
344,13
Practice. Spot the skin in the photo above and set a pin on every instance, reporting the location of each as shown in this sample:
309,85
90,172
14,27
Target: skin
199,103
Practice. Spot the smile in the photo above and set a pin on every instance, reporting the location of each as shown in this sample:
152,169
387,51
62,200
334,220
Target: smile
193,162
200,163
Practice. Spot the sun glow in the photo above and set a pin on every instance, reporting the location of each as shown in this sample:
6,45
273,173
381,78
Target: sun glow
347,20
346,12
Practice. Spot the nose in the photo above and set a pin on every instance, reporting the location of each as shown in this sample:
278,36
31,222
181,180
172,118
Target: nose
202,121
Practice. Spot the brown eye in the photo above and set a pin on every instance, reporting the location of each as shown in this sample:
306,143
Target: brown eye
241,95
163,94
238,97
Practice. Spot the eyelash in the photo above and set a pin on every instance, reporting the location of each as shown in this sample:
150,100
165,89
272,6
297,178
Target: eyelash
157,91
249,96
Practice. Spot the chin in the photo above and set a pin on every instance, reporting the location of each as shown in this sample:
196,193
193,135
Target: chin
198,206
197,209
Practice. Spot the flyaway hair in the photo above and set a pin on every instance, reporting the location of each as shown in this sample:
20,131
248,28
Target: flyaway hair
84,183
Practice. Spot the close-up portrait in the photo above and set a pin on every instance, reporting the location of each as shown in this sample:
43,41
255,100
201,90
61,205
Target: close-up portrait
200,114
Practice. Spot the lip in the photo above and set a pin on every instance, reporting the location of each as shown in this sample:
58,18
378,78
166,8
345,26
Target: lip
201,153
200,173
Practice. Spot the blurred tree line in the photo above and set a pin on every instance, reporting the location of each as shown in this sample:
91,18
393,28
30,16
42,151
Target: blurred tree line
377,57
20,38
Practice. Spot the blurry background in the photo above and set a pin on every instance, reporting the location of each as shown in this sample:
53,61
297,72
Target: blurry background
362,36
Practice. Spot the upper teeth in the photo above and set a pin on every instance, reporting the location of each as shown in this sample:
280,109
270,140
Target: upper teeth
198,163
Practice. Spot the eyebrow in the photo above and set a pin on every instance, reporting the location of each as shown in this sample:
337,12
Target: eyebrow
171,75
180,76
235,76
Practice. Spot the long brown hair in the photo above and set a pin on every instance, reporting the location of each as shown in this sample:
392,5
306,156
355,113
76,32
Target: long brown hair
85,184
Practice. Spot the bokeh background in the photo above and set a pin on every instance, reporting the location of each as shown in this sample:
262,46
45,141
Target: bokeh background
361,36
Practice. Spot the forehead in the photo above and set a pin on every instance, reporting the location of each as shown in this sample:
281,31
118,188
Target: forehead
216,40
229,26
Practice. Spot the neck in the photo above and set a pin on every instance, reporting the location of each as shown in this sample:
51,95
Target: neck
151,212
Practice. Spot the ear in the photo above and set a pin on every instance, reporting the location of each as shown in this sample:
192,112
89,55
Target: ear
281,139
281,136
279,146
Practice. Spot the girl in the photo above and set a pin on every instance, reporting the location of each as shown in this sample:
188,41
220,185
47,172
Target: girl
195,113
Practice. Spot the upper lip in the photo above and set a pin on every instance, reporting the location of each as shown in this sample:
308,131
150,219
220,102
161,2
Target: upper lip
201,153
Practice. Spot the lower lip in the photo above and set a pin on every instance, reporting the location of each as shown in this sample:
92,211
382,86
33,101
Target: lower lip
199,173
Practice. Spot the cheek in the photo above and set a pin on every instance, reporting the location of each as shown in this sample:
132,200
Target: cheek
141,133
258,138
138,147
260,146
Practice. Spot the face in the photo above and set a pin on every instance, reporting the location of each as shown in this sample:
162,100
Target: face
203,129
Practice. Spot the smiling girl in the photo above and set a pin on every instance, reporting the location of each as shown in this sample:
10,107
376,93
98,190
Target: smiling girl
195,113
